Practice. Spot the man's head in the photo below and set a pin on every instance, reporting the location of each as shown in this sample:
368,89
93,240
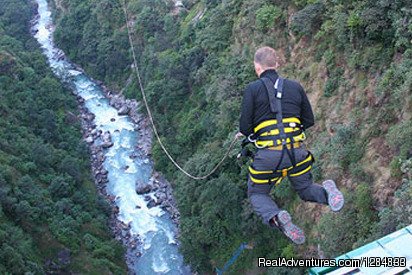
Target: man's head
265,58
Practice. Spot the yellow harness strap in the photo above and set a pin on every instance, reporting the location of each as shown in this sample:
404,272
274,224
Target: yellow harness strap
269,176
267,133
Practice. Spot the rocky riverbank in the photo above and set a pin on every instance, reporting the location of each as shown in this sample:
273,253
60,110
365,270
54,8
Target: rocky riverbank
157,191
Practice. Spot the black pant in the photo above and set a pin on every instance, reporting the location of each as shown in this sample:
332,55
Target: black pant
262,202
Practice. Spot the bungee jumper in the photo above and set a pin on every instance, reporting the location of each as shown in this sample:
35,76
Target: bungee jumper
275,113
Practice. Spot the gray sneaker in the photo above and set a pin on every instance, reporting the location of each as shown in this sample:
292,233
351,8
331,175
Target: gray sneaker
335,197
284,223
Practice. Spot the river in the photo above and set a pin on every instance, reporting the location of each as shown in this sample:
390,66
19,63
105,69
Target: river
159,250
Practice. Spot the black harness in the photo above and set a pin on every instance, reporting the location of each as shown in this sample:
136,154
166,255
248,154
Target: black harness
275,94
276,107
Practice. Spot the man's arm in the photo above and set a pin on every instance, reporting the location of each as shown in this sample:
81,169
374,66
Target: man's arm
306,114
246,117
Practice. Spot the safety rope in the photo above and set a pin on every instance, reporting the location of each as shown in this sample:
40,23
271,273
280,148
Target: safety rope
149,113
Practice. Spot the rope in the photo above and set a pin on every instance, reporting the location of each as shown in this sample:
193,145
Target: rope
136,71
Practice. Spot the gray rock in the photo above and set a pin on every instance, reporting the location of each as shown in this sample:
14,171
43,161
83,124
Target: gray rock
161,197
143,188
116,102
100,156
151,204
99,178
89,139
124,110
107,144
90,117
106,136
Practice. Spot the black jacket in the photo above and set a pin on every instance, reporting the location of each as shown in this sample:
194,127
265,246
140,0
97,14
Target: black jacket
256,107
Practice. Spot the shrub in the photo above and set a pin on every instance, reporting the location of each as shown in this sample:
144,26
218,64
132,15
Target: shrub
332,85
353,225
399,136
307,20
346,146
337,230
266,17
354,20
364,208
400,213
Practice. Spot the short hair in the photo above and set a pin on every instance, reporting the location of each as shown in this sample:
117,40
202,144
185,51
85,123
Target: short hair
266,57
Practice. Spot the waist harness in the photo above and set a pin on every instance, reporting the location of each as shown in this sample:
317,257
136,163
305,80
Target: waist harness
275,132
276,176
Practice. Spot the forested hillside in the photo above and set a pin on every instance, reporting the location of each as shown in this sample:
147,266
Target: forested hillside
51,218
354,59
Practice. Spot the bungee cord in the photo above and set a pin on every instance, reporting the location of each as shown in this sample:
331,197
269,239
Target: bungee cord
149,113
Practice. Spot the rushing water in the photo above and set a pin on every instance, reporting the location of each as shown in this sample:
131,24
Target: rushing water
159,252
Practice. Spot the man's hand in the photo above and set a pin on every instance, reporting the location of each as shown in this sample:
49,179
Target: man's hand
239,135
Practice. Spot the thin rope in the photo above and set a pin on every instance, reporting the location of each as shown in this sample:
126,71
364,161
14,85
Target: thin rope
149,113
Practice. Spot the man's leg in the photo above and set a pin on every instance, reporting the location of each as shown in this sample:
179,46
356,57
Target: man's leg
264,205
327,194
258,194
307,190
262,202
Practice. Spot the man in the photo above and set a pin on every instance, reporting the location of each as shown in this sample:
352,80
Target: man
275,112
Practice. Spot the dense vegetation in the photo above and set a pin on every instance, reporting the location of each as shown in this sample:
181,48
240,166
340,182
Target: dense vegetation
353,57
51,218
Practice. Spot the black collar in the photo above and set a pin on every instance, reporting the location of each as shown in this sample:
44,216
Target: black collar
271,74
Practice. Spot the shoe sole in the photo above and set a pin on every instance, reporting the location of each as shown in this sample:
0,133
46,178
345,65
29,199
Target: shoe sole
294,233
335,197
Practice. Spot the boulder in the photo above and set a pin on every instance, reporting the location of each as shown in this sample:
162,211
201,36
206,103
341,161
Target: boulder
107,144
106,136
124,110
143,187
89,139
116,102
90,116
99,178
161,197
151,204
